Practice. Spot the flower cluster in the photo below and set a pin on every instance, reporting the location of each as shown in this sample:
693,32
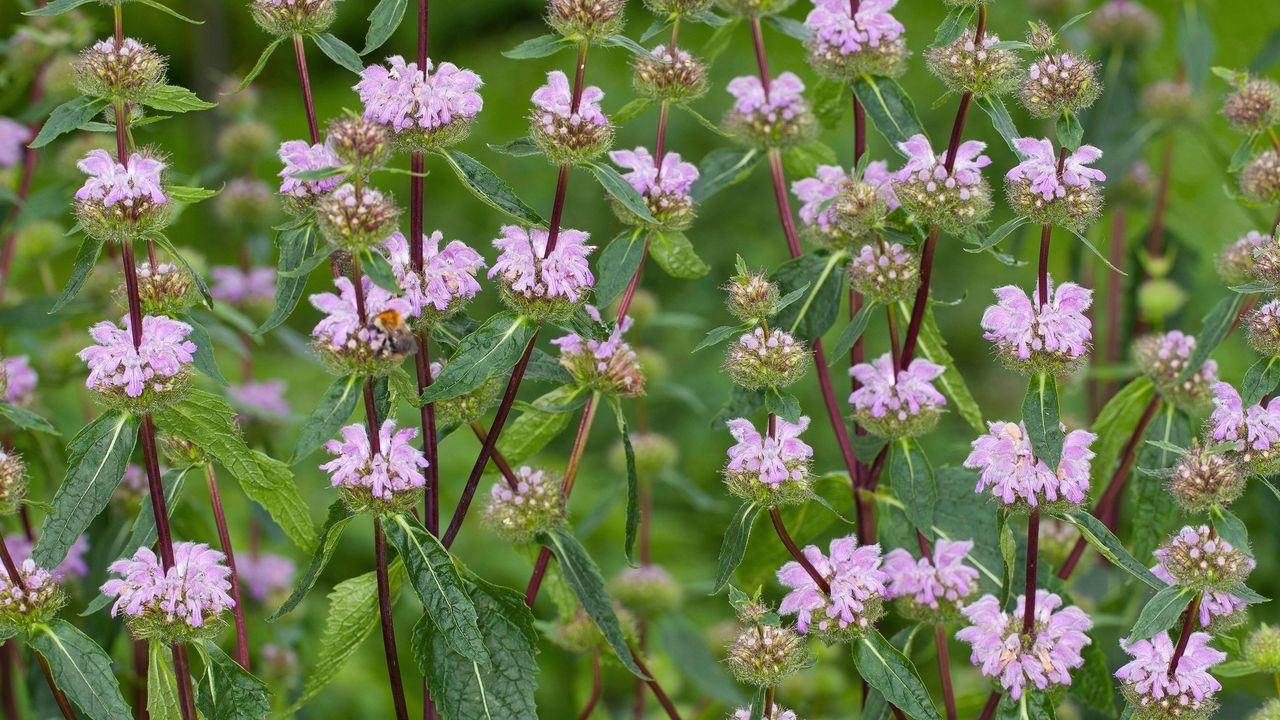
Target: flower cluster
885,273
1036,339
952,199
299,157
255,286
896,403
14,137
769,117
1052,190
387,481
607,365
1164,357
1044,657
174,605
264,574
766,357
1262,327
777,713
1254,105
1197,558
1201,481
586,20
13,482
1253,430
1158,691
763,655
838,209
772,468
856,600
361,144
36,598
541,282
165,289
286,18
127,72
751,298
666,190
1058,83
1006,463
1218,609
964,67
534,505
121,201
20,380
424,109
349,343
1260,178
566,128
868,41
448,277
669,75
155,371
356,217
931,588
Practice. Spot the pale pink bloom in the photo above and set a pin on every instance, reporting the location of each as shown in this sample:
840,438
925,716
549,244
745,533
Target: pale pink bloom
196,588
21,380
783,101
297,157
341,329
1214,604
901,393
1006,463
72,566
264,397
1188,687
263,574
564,272
928,580
555,100
402,96
817,193
675,180
923,165
111,182
115,363
770,460
395,469
1255,428
1020,328
448,275
1039,167
856,581
235,286
1046,658
872,24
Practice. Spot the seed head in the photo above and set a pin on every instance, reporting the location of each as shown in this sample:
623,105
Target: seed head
128,72
1260,178
535,505
1235,262
647,591
751,297
1058,83
885,273
860,208
766,358
1169,101
13,482
1124,24
165,290
362,144
765,655
246,142
1253,106
586,20
1197,558
1202,480
1263,327
285,18
35,601
966,68
1262,648
664,75
356,218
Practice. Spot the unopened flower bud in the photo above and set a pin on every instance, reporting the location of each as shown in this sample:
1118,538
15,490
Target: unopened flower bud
859,208
13,482
36,601
885,273
1124,24
1254,106
1041,38
1164,357
586,20
128,72
1260,178
752,297
1201,481
1197,558
246,203
663,75
647,591
285,18
1169,101
356,218
677,7
1263,329
165,290
1235,262
1262,649
1063,82
535,505
765,654
754,8
1159,298
361,144
245,143
766,358
965,68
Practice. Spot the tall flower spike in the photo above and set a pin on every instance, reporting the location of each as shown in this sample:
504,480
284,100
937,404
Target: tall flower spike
953,201
448,277
856,601
667,191
424,109
383,483
1017,478
567,135
152,375
1163,357
1070,199
932,589
768,470
896,404
1156,693
845,46
1218,610
547,288
1034,339
121,201
1044,658
608,365
346,344
181,604
779,118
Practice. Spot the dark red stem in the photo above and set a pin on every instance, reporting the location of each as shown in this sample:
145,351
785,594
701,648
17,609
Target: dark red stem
384,615
944,670
1033,567
790,544
300,58
595,687
224,538
658,692
1188,626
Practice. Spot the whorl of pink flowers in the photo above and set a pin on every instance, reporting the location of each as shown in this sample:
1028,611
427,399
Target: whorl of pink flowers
900,393
395,470
111,182
448,274
1149,683
1022,330
1039,167
115,364
1006,463
236,286
931,580
1254,428
341,329
673,182
871,25
14,137
783,101
817,194
857,587
402,96
191,592
298,156
1214,604
769,460
563,273
555,101
263,574
926,167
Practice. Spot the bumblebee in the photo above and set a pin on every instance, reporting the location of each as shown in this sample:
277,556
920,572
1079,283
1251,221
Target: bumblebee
399,341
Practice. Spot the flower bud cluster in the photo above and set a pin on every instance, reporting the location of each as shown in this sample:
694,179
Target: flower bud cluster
1260,178
1164,357
953,199
13,482
964,67
1262,649
1169,101
1254,105
1236,263
246,204
286,18
361,144
751,297
569,129
165,290
776,116
1058,83
664,75
35,600
128,72
356,217
1262,327
586,20
766,357
764,655
608,366
754,8
667,8
244,143
468,407
1201,481
534,505
1197,558
885,273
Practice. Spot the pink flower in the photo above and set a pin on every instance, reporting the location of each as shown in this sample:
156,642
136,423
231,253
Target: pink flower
675,180
924,166
110,182
1005,462
297,157
14,137
1257,428
817,194
778,713
834,28
555,100
1039,167
403,97
448,276
608,364
784,100
1045,658
902,393
928,580
21,380
395,470
857,587
235,286
769,460
114,363
1020,329
260,398
196,587
877,173
73,565
1188,687
341,329
1214,604
263,574
564,272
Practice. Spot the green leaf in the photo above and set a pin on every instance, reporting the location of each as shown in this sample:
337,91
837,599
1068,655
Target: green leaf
790,27
952,26
295,244
541,46
886,669
721,168
26,419
489,188
1232,529
931,345
57,7
1260,380
1216,325
464,690
520,147
703,121
67,117
717,335
207,421
438,584
1091,684
618,263
817,311
1043,419
1032,706
82,267
632,526
539,423
1009,553
259,65
630,111
80,669
1070,131
688,651
889,108
172,98
1154,511
998,234
1196,43
1242,154
1160,612
1094,249
383,21
583,577
619,189
626,43
189,195
911,478
228,691
330,533
170,12
786,407
803,161
493,349
353,614
1115,424
162,686
339,52
96,460
335,407
734,545
1000,120
204,360
1104,542
675,254
379,270
849,336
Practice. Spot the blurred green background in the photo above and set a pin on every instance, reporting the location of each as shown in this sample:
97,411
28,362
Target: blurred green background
686,392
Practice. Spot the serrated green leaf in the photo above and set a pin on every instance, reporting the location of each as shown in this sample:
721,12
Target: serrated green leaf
493,349
162,685
228,691
81,268
26,419
817,310
790,27
520,147
383,21
630,111
952,26
1070,131
80,669
339,517
734,545
618,263
674,253
1043,419
619,189
1260,380
537,47
1215,327
173,98
998,234
332,412
1000,120
1232,529
785,406
259,65
489,188
889,108
295,245
67,117
339,52
1160,612
886,669
1105,543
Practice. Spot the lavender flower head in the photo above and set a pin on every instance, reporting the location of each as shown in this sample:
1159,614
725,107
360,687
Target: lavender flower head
534,505
14,137
608,365
72,566
776,117
953,200
1262,328
869,41
20,380
671,76
1071,198
1260,178
886,273
1218,609
818,196
234,286
566,133
1253,430
778,713
541,284
1195,557
857,595
154,373
1044,658
1164,357
121,201
35,601
425,110
666,190
299,157
448,277
264,574
769,469
1006,463
260,399
183,603
932,589
1253,257
286,18
1059,82
382,483
345,343
126,71
895,403
764,358
1032,339
839,209
968,66
1158,694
